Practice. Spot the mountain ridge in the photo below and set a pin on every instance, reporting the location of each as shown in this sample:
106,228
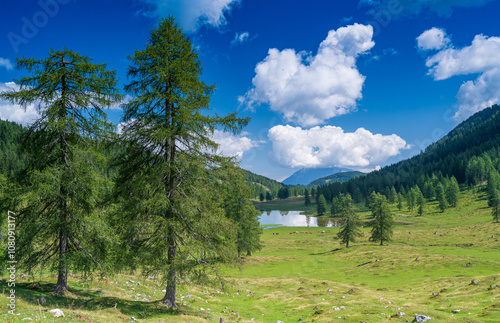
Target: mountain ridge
305,176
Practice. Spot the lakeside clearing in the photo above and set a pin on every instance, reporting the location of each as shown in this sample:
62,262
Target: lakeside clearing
427,269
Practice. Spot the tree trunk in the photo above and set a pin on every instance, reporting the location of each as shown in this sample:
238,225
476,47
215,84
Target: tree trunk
62,278
347,244
169,298
381,242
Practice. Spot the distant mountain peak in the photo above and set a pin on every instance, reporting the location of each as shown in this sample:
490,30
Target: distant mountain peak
305,176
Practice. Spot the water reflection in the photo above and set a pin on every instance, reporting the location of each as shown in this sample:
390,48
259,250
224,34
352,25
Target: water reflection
295,219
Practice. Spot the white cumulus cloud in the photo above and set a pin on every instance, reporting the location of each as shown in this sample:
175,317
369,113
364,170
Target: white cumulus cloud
191,14
330,146
309,89
14,112
5,62
481,57
233,145
433,39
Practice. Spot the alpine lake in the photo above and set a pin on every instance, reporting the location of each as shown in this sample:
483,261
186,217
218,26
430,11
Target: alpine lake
271,219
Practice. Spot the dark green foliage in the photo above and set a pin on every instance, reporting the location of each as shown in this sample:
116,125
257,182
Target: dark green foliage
441,197
261,184
283,193
391,198
448,157
452,192
350,222
12,160
170,183
411,199
321,207
58,225
336,207
338,177
382,222
240,210
495,204
307,198
429,191
269,197
400,201
492,186
262,197
422,205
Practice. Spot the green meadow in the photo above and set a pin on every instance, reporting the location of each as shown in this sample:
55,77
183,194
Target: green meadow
427,268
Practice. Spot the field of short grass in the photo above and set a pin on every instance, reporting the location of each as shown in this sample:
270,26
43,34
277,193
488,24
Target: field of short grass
297,277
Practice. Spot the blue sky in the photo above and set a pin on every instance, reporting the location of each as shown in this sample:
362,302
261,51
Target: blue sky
352,84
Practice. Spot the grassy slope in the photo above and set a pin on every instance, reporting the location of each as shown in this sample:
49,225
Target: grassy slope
303,277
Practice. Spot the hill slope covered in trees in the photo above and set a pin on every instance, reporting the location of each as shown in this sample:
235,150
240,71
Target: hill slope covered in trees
11,159
338,177
451,156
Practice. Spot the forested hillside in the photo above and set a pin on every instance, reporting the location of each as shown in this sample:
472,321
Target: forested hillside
261,184
339,177
11,158
475,143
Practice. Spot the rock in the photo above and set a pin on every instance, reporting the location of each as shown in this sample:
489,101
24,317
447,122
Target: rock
329,290
400,314
416,259
145,299
421,318
221,320
133,319
456,311
278,321
57,312
473,282
43,300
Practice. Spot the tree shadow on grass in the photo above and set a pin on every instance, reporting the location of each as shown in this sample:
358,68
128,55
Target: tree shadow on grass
86,299
325,253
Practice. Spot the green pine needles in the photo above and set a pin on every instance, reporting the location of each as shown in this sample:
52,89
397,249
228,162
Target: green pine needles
58,224
382,222
169,175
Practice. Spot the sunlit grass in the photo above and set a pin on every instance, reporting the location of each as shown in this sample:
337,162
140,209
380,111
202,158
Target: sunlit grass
426,269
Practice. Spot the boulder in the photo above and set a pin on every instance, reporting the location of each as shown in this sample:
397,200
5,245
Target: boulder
421,318
57,312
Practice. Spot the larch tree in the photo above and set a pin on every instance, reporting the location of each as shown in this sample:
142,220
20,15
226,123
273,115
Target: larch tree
495,204
382,222
441,197
350,222
307,197
57,224
171,178
452,192
400,202
321,206
240,210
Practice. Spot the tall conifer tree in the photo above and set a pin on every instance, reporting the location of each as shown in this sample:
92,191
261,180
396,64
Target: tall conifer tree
350,222
169,173
57,226
382,222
